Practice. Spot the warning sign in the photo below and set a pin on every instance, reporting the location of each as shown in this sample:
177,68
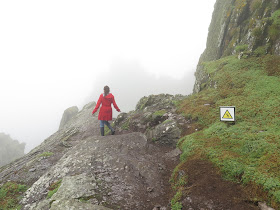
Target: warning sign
227,113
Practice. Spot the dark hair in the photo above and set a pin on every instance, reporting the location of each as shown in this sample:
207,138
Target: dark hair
106,90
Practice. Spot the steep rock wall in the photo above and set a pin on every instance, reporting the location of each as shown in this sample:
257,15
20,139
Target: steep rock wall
241,27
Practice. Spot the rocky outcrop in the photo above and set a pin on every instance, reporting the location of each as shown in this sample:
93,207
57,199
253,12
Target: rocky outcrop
67,115
124,171
241,27
10,149
156,117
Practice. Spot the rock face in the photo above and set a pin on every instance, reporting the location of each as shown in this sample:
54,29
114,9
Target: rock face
245,27
155,116
125,171
67,115
10,149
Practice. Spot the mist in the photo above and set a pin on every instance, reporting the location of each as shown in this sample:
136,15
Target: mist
58,54
129,81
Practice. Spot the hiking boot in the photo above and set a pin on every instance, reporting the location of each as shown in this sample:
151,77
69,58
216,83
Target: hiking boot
113,132
102,131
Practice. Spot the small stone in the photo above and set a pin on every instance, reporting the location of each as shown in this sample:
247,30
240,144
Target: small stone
150,189
263,206
207,104
32,169
157,207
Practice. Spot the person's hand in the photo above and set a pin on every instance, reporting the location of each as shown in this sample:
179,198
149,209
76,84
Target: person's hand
119,110
92,113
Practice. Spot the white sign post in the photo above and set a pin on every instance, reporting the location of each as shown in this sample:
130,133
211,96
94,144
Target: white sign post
227,113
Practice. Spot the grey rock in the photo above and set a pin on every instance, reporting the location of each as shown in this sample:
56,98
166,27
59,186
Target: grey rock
72,204
75,187
263,206
67,115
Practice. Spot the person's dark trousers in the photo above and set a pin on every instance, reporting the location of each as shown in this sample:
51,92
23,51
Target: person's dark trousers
102,131
102,123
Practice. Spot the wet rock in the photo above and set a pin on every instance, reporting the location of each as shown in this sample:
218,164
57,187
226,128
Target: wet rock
95,169
115,170
80,186
167,133
155,116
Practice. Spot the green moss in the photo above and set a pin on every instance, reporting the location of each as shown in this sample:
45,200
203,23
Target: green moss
276,17
241,48
159,113
167,121
46,154
274,32
255,4
274,28
248,151
260,51
54,188
258,33
10,195
107,130
125,126
175,202
177,206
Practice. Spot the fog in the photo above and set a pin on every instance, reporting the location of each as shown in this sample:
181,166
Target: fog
129,81
57,54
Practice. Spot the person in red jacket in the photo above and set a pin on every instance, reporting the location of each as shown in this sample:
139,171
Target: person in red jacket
105,113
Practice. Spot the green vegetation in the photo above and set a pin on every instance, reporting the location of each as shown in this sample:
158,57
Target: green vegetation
107,130
159,113
256,4
276,17
175,202
248,151
125,126
241,48
46,154
260,51
274,29
53,188
10,195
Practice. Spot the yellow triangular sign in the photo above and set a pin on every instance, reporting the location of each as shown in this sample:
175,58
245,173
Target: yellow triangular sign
227,115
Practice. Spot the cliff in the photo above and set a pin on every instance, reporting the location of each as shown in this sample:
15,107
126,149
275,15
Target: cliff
241,27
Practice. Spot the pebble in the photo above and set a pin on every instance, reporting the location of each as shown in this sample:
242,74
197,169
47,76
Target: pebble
32,169
150,189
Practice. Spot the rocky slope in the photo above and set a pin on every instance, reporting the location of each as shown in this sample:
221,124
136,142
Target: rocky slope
77,168
242,27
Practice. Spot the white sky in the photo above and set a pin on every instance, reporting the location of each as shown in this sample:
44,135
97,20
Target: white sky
53,52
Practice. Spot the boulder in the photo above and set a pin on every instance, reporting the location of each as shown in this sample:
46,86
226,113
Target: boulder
68,115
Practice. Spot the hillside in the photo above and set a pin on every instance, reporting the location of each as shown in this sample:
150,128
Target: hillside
172,152
239,67
246,152
77,168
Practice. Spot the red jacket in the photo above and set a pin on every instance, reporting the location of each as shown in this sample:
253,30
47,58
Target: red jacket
105,112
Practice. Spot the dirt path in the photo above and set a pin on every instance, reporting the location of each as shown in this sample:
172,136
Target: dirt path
207,190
